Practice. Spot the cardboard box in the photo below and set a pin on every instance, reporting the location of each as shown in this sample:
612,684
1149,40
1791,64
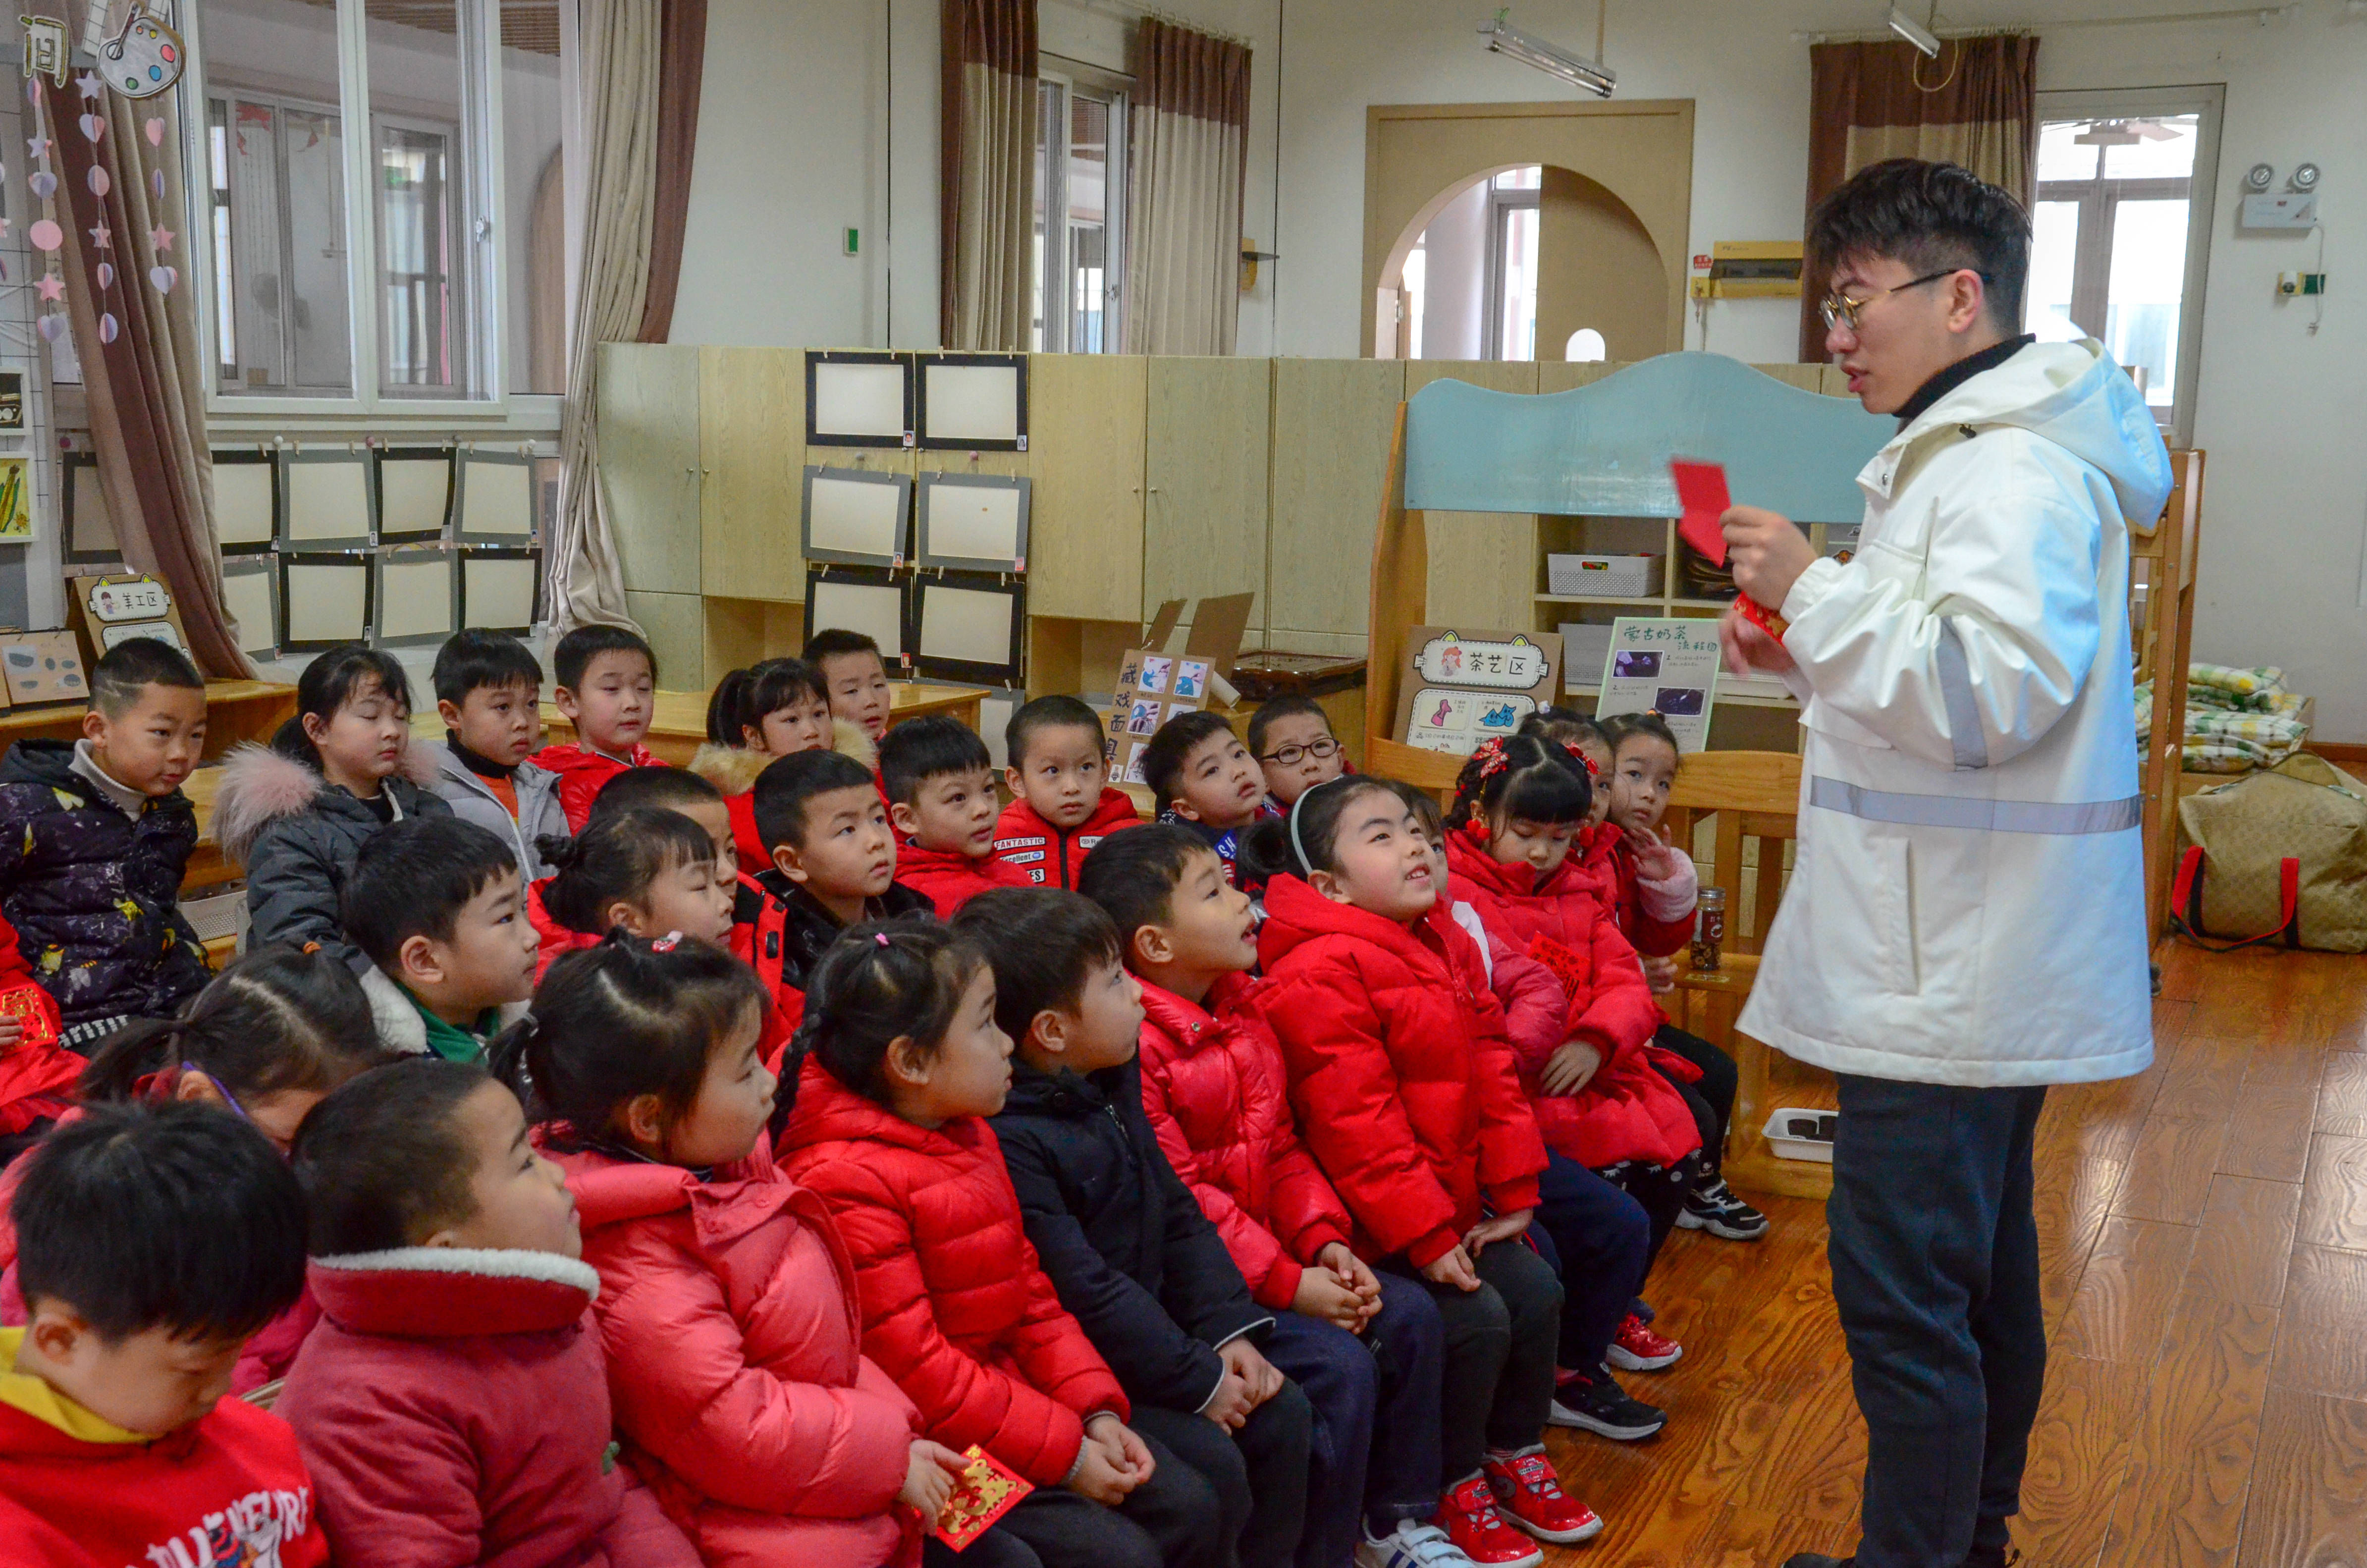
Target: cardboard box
1474,684
109,608
1158,681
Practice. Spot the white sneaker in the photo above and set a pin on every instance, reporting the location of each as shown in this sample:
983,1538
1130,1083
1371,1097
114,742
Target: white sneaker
1412,1544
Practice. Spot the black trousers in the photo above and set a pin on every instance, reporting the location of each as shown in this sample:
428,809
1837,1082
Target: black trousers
1935,1275
1258,1473
1659,1191
1170,1521
1711,1097
1499,1356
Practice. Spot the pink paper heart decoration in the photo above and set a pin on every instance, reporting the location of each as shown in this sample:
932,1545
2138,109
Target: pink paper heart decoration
44,183
46,234
92,127
107,275
53,326
155,129
163,278
100,181
107,327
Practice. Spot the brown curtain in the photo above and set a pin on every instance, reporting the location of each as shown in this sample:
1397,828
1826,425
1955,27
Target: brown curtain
986,185
682,66
1976,105
1190,156
147,386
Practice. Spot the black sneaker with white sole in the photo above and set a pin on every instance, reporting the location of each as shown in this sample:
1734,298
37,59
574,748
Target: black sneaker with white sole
1712,1206
1599,1404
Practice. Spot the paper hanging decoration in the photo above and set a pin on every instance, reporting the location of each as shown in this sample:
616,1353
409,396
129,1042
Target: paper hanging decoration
154,127
46,234
99,180
107,275
143,58
92,127
47,49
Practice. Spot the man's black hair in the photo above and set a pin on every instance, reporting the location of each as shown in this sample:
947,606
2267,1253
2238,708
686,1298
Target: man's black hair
655,789
578,648
1289,705
1042,944
176,1216
1134,874
412,877
1929,217
381,1161
787,783
836,642
134,664
1163,758
473,658
1055,712
919,749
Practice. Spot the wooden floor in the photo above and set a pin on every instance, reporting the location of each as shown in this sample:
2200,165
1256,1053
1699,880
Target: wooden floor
2204,1227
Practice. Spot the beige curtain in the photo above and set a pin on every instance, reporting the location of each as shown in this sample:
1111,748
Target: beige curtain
147,386
986,174
1976,105
621,43
1190,153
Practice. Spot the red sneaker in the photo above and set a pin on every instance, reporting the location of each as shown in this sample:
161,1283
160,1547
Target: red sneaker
1478,1530
1636,1349
1529,1495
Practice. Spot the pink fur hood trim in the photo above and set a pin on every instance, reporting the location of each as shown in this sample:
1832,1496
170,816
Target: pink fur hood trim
260,786
733,770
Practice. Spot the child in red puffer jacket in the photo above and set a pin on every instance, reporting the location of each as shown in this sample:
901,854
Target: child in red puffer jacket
902,1064
727,1302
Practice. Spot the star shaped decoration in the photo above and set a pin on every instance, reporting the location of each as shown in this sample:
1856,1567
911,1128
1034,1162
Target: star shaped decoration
37,145
159,236
101,236
88,85
51,287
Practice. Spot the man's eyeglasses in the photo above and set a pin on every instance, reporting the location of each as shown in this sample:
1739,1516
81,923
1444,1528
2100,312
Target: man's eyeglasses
1837,308
1292,756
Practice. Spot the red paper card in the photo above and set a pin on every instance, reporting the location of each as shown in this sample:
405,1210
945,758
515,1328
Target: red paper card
1701,491
987,1491
32,1005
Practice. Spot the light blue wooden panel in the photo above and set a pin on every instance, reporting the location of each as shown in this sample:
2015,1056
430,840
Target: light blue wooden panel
1603,450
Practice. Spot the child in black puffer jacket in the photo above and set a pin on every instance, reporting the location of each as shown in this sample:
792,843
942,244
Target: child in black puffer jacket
95,835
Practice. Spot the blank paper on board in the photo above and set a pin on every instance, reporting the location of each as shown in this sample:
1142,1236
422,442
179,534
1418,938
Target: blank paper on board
497,591
496,497
94,527
243,505
968,625
328,602
873,609
851,398
848,515
975,524
415,596
328,500
247,596
971,402
413,495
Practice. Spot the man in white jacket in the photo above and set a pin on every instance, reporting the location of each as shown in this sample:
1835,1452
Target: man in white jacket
1965,923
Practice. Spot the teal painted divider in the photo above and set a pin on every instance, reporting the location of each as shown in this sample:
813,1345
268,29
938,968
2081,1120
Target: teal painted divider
1603,450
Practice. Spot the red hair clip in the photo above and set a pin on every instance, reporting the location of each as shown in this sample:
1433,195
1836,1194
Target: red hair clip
1490,754
665,944
1584,761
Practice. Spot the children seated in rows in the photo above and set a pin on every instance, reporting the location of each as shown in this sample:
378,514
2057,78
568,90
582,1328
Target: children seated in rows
854,678
1365,1348
1291,738
152,1241
642,878
644,872
941,802
833,865
1062,803
1122,1239
437,907
457,1355
727,1302
903,1062
1203,778
489,694
95,835
1394,1044
769,710
295,814
608,688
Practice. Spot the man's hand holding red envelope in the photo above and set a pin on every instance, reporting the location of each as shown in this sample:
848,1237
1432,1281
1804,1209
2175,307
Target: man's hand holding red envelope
1767,552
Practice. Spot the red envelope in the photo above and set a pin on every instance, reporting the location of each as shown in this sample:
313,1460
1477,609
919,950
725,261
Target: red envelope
987,1491
27,1001
1701,491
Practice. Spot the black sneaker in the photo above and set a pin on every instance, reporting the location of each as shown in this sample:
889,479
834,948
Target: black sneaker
1712,1206
1599,1404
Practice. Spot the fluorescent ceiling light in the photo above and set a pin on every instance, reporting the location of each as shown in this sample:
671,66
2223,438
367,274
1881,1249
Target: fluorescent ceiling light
1915,33
1551,58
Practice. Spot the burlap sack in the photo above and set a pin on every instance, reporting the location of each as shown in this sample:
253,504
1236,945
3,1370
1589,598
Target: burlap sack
2303,809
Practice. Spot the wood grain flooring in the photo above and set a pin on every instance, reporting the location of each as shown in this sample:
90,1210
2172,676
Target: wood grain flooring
2203,1232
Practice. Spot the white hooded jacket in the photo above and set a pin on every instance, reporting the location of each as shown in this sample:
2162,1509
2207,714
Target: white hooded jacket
1967,900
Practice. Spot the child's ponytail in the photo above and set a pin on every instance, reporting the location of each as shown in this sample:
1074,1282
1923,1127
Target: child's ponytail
275,1021
1527,776
878,983
1301,841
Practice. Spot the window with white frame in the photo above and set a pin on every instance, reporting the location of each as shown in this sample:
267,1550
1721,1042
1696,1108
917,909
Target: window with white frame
1080,239
2120,231
423,262
1510,322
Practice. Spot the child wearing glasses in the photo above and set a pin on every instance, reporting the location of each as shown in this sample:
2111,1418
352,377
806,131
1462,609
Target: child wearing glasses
1291,737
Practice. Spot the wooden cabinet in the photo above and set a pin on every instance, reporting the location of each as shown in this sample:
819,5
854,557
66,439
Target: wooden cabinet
1483,565
649,422
1204,480
1085,450
752,422
1331,447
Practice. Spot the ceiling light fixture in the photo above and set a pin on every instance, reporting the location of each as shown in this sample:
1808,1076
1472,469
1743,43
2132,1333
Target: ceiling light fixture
1920,34
1551,58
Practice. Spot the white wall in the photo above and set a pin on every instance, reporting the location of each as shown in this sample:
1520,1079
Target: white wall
797,115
